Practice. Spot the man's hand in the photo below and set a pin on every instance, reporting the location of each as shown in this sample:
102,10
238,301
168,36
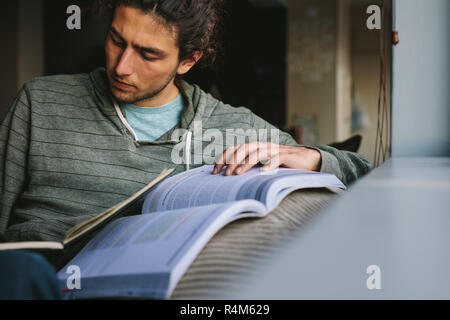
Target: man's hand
240,159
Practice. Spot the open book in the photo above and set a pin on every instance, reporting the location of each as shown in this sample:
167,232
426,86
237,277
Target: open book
144,256
85,227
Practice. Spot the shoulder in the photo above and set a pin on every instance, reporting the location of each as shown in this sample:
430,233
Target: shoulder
59,93
58,87
65,81
213,107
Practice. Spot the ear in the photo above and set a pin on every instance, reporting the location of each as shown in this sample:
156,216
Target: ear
187,64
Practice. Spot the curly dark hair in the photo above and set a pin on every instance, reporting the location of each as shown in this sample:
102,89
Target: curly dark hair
198,23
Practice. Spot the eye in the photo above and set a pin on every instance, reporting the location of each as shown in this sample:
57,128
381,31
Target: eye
116,42
148,58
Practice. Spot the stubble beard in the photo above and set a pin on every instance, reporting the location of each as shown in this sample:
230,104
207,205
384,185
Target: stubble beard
152,94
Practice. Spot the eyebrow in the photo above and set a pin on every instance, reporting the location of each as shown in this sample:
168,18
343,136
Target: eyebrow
160,53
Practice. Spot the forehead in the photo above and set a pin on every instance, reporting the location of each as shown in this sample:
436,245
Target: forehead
143,29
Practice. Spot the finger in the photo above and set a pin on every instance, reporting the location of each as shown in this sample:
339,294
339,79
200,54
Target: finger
249,149
221,160
260,155
241,155
274,162
231,163
252,159
234,155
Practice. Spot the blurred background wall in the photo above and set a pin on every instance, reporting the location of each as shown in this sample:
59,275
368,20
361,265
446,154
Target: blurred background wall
421,79
8,54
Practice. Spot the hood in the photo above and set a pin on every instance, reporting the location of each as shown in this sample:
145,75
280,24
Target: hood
198,106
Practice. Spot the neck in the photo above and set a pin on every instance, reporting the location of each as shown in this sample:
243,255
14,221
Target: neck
169,93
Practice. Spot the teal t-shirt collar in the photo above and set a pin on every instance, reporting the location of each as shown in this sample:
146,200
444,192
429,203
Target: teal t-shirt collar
150,123
168,107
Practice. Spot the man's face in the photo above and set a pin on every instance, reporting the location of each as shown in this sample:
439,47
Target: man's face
141,57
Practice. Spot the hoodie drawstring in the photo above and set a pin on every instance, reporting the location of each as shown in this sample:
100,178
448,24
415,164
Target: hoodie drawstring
124,121
187,150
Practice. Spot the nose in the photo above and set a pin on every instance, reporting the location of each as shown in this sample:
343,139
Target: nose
124,66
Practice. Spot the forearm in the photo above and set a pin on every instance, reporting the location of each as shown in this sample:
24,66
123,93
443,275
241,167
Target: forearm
347,166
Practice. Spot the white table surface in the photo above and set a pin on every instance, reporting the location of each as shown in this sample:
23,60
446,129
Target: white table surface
397,217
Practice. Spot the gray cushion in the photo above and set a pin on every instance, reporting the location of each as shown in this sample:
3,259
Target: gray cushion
239,248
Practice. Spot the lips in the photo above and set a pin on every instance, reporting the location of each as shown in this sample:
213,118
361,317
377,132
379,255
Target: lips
121,85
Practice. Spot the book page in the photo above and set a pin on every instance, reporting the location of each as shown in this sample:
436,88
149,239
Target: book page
199,187
278,187
272,187
146,255
30,245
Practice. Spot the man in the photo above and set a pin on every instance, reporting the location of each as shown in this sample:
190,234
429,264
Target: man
74,145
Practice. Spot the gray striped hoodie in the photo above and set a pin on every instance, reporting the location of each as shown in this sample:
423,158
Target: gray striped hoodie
67,153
